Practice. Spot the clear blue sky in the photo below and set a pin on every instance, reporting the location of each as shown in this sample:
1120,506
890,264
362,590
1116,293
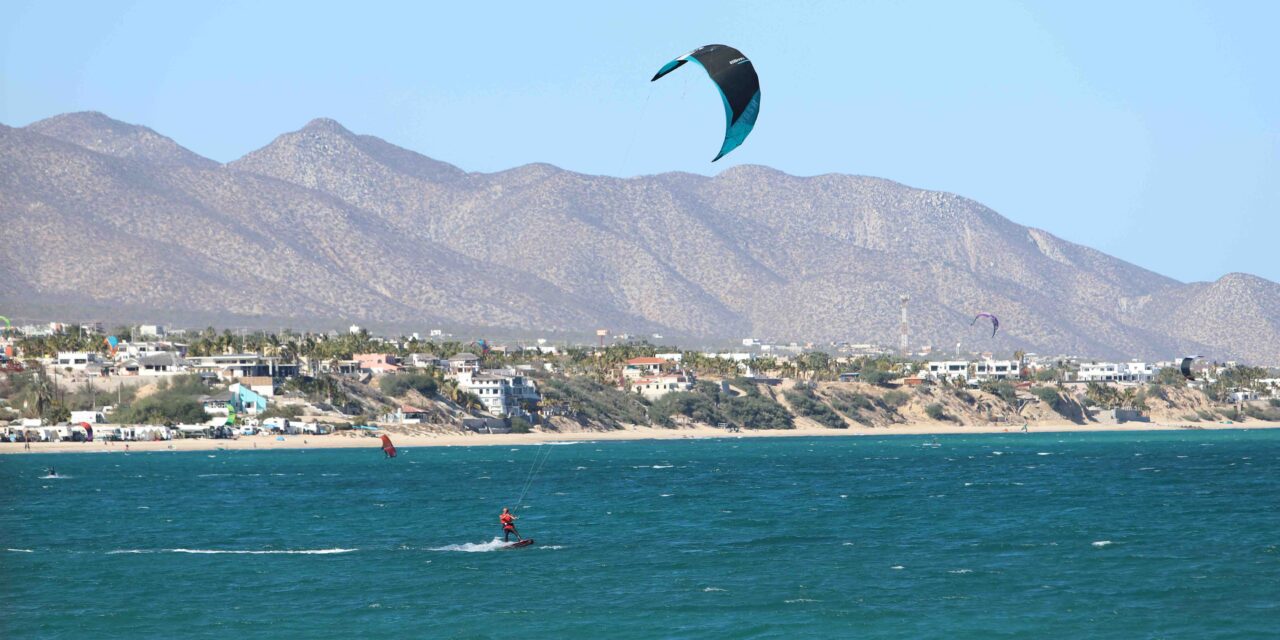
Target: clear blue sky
1148,130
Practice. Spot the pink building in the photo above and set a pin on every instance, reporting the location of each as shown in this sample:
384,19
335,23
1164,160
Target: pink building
376,362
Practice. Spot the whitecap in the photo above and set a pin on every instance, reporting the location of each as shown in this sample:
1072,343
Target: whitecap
847,544
664,495
1101,543
550,546
960,571
796,600
20,550
844,495
997,453
1043,453
662,466
710,589
256,552
897,566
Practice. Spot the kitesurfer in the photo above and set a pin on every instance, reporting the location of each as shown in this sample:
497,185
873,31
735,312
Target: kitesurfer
508,525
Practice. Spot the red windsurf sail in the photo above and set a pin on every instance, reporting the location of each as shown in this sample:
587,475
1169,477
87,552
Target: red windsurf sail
387,447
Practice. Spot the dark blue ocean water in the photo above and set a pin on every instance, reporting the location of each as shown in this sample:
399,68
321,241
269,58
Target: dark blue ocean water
1129,535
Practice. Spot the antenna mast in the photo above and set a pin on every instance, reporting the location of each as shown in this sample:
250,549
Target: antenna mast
903,337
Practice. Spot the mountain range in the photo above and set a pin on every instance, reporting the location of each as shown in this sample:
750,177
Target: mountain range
324,227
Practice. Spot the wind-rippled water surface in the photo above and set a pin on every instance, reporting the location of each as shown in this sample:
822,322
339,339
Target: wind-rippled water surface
1127,535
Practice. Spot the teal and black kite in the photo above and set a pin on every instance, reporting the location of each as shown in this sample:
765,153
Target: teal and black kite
739,88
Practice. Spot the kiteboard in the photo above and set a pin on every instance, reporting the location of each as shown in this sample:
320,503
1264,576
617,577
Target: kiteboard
523,543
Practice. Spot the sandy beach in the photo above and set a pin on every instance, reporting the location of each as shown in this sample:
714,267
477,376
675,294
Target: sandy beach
469,439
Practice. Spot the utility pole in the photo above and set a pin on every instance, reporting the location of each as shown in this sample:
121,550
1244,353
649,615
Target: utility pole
903,337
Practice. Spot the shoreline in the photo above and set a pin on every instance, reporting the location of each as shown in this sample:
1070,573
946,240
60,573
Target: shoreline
469,439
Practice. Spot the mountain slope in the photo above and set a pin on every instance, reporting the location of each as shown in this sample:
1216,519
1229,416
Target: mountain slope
324,223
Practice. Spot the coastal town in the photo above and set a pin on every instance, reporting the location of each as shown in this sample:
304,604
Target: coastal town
150,383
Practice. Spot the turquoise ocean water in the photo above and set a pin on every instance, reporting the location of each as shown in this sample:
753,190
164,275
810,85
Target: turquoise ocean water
1123,535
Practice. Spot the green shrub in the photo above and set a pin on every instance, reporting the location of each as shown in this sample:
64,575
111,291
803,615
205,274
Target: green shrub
757,412
164,407
965,396
1002,389
1266,414
400,383
1047,395
1206,415
1191,417
806,403
590,400
1230,414
935,411
695,406
1275,402
895,399
282,411
876,377
520,425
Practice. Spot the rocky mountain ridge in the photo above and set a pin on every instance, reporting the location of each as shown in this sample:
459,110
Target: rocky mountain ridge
324,224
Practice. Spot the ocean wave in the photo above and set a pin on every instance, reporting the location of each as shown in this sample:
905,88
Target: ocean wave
20,550
798,600
960,571
662,466
711,589
897,567
1102,543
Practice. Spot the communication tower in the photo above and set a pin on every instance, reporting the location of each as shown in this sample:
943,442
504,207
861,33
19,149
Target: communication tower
903,338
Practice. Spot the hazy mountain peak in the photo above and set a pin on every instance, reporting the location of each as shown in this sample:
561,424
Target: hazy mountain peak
326,125
98,132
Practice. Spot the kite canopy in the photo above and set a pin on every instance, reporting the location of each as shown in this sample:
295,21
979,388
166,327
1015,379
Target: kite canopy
387,447
739,88
1186,367
995,322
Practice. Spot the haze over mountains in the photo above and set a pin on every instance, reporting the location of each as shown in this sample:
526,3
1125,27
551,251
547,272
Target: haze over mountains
323,227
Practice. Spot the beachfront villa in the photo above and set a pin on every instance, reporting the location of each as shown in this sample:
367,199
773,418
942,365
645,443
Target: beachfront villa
502,394
377,363
1137,372
637,368
658,386
246,400
985,370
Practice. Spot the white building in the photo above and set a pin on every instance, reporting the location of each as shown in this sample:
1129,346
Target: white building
152,330
460,363
658,386
502,394
1115,372
76,360
947,370
995,370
